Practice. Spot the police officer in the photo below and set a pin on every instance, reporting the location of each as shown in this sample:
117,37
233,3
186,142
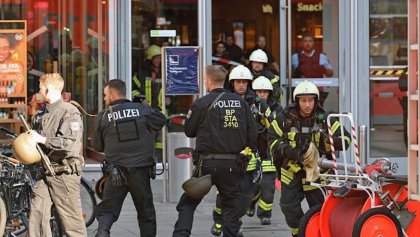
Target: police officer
264,192
59,128
223,126
289,137
122,132
240,79
258,66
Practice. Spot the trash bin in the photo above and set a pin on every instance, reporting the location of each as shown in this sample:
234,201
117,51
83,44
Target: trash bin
179,149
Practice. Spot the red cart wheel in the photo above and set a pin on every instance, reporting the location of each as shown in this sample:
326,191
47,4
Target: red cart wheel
377,222
309,224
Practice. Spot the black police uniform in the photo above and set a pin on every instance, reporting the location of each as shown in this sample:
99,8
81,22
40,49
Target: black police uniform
221,134
290,129
123,132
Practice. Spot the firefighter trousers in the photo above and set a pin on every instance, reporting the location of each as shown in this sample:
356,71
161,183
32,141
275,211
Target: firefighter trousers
293,191
138,184
64,192
265,194
225,175
246,187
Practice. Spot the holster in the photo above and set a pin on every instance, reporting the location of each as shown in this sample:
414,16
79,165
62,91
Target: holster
114,173
72,165
152,169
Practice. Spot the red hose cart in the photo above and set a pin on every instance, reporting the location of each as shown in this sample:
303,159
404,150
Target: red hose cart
361,201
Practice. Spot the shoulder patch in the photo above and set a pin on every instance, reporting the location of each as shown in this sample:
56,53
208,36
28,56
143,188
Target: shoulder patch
74,126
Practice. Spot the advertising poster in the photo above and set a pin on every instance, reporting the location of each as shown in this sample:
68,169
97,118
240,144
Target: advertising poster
182,70
13,60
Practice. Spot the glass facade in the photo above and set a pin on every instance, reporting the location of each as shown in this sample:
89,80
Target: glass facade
69,37
388,82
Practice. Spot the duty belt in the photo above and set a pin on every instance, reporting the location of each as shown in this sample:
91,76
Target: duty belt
220,156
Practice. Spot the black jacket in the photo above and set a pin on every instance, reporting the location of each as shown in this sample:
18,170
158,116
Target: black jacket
125,137
227,128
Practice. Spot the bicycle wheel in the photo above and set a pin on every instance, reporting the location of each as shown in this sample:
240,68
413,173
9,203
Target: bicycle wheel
2,217
21,202
55,223
87,196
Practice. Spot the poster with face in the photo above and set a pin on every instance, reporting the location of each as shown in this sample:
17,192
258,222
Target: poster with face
12,62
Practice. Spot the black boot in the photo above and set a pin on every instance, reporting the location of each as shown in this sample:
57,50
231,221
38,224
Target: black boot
102,233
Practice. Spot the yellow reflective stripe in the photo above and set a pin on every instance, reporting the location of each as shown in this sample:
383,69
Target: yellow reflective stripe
284,179
308,187
294,168
256,197
219,226
346,138
148,90
267,112
265,206
266,163
294,231
271,168
158,145
334,127
277,128
274,80
160,98
217,210
272,145
134,93
287,173
251,167
317,138
137,81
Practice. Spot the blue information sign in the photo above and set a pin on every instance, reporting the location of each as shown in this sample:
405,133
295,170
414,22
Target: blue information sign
182,70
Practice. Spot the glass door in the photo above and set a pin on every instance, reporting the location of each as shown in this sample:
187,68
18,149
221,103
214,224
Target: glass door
310,36
388,81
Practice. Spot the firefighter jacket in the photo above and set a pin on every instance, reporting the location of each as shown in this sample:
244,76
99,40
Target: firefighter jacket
148,83
61,123
122,132
225,128
289,128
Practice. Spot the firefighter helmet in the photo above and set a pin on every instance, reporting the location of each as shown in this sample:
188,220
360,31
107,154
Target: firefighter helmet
240,73
262,83
258,56
306,88
197,187
152,51
24,149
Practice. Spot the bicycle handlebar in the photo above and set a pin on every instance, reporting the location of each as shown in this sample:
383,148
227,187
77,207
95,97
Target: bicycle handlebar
8,131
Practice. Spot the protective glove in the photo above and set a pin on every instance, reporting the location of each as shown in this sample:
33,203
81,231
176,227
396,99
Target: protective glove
291,154
116,178
338,143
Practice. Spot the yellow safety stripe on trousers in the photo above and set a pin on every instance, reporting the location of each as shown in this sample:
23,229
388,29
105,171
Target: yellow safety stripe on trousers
284,179
158,145
277,128
294,230
265,206
257,196
217,210
334,127
148,90
137,81
291,136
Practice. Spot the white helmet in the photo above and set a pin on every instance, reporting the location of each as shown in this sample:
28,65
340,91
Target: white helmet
262,83
306,88
240,73
258,56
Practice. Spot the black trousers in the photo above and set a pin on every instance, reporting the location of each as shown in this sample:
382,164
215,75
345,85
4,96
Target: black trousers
292,195
246,187
108,211
265,194
225,175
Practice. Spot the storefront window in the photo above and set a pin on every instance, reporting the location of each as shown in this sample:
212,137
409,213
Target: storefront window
388,80
69,37
315,47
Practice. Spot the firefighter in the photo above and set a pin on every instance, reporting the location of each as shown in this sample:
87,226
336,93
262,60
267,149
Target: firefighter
240,80
265,191
223,126
290,137
258,66
122,132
